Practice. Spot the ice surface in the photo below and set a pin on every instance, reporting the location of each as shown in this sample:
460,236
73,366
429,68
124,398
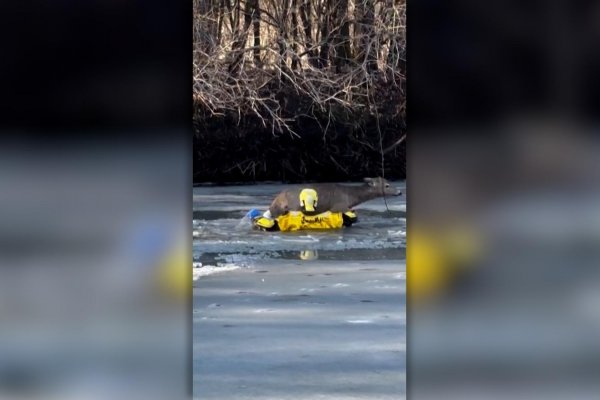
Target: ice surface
289,330
300,315
219,225
205,270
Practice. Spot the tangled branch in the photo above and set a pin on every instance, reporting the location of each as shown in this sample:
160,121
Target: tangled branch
277,59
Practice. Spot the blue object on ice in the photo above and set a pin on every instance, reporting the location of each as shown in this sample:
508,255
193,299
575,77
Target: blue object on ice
253,214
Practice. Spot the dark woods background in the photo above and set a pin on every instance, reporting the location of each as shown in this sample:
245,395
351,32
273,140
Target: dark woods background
299,90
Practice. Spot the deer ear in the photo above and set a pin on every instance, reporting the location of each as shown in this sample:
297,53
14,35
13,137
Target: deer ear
370,182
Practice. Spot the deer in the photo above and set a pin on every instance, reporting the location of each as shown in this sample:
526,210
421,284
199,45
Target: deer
332,196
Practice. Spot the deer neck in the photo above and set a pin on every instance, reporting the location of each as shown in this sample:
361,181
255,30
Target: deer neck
360,194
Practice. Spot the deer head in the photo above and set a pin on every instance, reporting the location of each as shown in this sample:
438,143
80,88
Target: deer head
381,186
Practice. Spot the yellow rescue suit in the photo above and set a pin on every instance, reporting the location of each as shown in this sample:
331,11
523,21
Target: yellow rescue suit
306,219
297,220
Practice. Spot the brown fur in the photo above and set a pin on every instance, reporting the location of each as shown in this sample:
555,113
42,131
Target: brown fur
332,196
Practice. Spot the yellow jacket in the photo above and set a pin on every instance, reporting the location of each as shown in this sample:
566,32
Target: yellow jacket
297,220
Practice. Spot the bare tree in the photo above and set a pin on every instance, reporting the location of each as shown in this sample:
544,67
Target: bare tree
253,57
366,35
342,54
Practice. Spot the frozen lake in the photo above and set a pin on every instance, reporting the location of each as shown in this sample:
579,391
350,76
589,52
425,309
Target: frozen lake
304,315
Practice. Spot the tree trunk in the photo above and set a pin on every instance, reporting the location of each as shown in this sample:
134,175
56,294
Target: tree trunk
365,16
282,38
295,35
256,32
397,43
207,31
305,16
325,39
238,45
342,53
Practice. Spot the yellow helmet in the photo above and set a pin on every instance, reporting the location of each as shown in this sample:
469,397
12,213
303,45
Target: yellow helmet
308,199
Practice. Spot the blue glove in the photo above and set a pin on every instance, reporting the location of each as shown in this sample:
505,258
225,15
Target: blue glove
253,214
